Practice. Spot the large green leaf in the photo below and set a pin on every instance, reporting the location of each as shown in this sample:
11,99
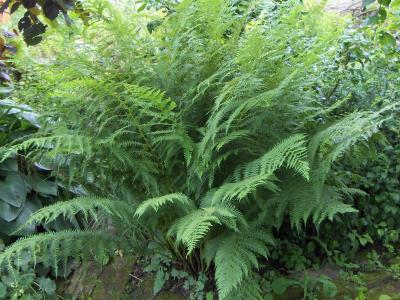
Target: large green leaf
8,212
13,190
43,186
9,164
31,205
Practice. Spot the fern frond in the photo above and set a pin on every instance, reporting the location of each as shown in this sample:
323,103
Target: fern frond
190,229
333,141
330,204
239,190
315,199
290,152
180,200
62,143
89,207
193,227
235,257
248,289
54,248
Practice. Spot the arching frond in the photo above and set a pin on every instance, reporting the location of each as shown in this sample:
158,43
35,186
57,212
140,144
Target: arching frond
179,200
248,289
291,152
55,248
194,226
236,256
88,207
191,228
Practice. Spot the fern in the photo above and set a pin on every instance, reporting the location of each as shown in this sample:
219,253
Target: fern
55,248
89,207
156,203
316,199
194,226
206,128
290,152
64,143
247,178
248,289
236,256
190,229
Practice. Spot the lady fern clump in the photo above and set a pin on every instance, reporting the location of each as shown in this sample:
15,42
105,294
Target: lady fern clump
203,134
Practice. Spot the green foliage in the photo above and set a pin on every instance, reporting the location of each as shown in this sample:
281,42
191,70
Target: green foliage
384,20
155,204
88,207
236,256
366,76
25,187
55,248
204,135
27,282
167,274
313,287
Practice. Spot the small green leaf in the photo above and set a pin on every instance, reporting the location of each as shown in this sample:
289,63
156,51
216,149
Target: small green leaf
47,285
382,14
384,2
372,20
24,258
26,279
328,287
10,164
27,297
209,296
395,4
142,7
3,290
377,18
8,213
161,278
387,40
385,297
280,285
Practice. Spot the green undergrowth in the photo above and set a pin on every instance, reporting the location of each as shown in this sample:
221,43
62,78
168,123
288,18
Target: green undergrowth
229,143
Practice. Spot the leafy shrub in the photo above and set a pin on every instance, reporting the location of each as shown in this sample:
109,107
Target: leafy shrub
24,187
205,135
27,283
365,75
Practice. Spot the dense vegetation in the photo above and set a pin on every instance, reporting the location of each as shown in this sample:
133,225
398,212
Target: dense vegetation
218,140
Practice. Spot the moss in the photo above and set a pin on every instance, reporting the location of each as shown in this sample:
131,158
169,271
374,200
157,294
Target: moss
144,290
291,294
112,281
